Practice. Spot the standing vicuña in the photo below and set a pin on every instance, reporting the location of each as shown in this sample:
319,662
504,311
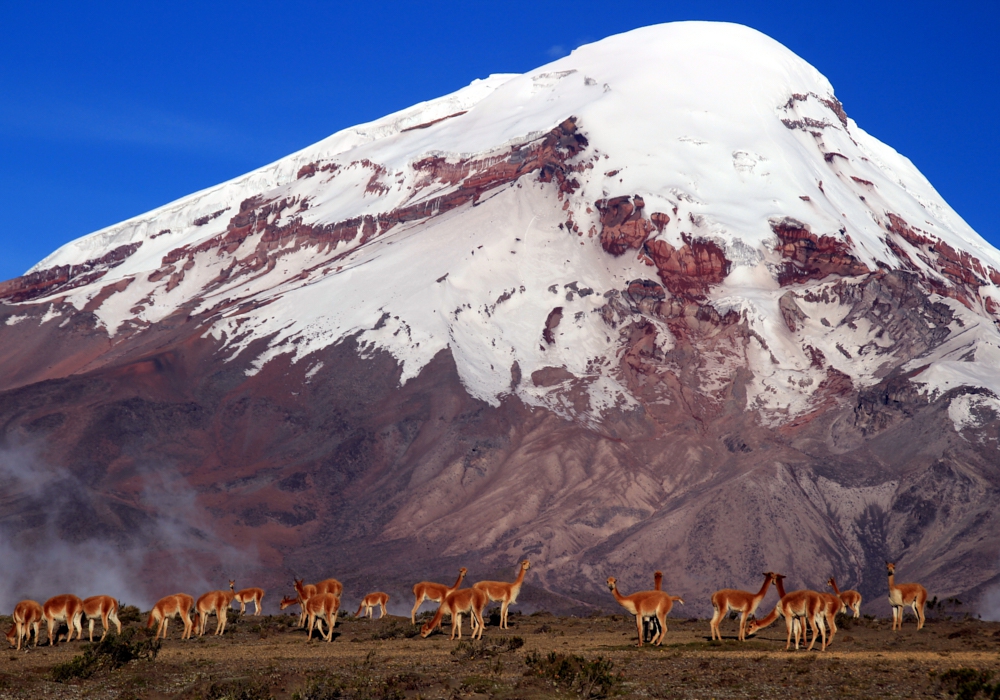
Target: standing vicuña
852,599
504,593
27,616
646,604
304,591
63,608
102,607
434,592
912,594
807,605
322,606
743,602
179,604
370,601
247,595
217,602
457,603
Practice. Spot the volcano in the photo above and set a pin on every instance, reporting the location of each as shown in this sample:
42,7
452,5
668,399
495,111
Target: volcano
659,304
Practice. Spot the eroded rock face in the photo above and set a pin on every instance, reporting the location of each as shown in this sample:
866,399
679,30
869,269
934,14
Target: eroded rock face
623,225
811,256
63,277
690,270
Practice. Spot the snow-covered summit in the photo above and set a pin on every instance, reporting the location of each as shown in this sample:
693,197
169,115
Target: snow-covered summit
502,220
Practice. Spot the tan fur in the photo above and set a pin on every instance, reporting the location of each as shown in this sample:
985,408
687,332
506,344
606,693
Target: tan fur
456,604
370,601
102,607
179,604
305,592
743,602
216,602
330,585
646,604
322,606
434,592
27,616
504,593
798,624
900,595
63,608
852,599
807,605
247,595
832,605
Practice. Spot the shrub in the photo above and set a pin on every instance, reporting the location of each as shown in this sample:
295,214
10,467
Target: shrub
113,652
589,679
481,649
128,614
968,683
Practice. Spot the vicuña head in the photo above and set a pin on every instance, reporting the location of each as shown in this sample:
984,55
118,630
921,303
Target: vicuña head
286,602
611,583
232,585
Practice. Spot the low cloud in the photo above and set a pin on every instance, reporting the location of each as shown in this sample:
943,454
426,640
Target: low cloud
989,604
57,535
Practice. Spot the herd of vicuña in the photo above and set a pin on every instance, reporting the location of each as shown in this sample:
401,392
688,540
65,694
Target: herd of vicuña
320,603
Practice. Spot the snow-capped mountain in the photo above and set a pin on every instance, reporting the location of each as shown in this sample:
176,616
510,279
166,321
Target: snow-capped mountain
660,303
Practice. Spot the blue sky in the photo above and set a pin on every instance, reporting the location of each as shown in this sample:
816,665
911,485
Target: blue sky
110,109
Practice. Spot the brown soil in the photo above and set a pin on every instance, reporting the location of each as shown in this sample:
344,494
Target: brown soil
269,657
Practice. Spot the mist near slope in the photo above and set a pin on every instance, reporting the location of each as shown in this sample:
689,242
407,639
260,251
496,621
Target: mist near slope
57,536
989,604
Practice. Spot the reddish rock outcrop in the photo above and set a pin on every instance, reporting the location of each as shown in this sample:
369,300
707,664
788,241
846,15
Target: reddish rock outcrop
690,270
623,225
810,256
202,220
966,272
63,277
958,266
547,156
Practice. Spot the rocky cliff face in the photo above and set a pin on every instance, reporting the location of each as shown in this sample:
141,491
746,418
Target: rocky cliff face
588,315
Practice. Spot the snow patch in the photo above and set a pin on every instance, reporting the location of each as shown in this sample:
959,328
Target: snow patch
967,411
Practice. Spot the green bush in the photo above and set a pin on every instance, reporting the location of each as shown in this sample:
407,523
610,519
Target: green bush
113,652
589,679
